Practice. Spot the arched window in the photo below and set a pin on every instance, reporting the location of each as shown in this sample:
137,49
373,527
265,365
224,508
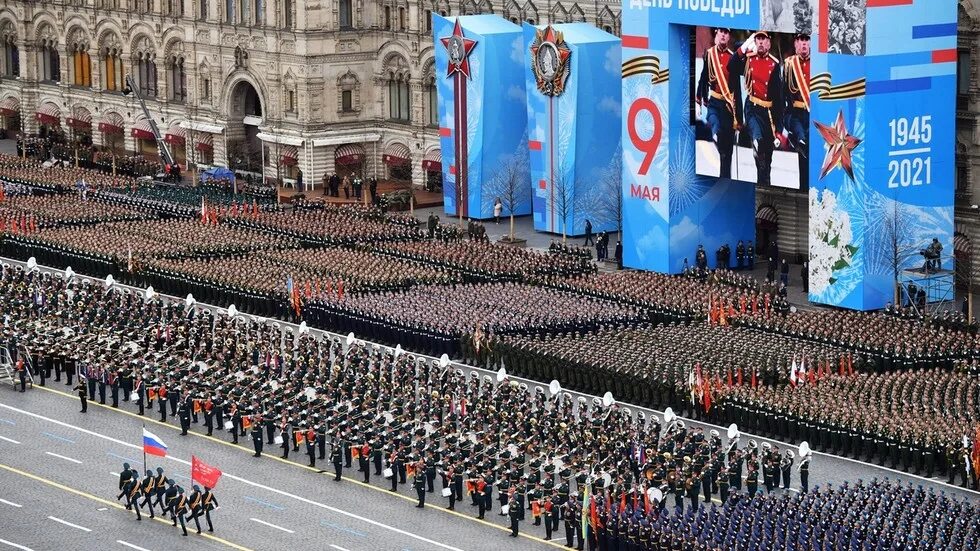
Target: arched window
399,98
11,54
175,8
290,100
112,69
48,60
176,78
144,60
81,63
146,71
348,87
432,102
245,9
288,17
259,12
346,15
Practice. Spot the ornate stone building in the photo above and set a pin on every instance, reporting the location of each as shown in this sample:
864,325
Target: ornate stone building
344,85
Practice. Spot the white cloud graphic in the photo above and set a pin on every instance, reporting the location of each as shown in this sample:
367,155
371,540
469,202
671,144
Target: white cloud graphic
610,104
614,61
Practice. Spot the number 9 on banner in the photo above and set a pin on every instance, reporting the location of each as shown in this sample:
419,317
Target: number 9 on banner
647,146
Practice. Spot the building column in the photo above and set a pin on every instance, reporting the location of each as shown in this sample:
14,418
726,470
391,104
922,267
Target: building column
418,175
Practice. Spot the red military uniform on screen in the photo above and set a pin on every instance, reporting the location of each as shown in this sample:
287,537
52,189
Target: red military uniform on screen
720,71
795,90
757,74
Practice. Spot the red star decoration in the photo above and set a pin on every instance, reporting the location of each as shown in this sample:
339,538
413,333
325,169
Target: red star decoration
463,65
550,36
840,144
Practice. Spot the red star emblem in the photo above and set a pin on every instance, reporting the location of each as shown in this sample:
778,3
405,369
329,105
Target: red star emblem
550,35
840,144
459,48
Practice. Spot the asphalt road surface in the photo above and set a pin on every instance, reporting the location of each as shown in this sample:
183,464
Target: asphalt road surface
55,461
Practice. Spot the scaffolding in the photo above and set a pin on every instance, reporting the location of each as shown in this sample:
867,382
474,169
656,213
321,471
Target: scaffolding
927,289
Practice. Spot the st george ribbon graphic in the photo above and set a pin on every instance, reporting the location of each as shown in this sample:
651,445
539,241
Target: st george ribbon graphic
459,48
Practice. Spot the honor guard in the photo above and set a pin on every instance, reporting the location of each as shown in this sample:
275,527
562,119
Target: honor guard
148,487
195,504
761,114
714,94
796,75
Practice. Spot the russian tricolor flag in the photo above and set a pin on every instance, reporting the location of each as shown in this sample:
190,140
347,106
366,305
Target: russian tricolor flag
153,445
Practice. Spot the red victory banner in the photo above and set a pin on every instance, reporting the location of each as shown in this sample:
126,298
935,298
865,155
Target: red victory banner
205,474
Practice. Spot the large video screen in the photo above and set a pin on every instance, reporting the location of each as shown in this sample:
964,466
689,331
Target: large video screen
751,105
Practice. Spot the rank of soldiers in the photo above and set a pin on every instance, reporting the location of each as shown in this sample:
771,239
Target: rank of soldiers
613,477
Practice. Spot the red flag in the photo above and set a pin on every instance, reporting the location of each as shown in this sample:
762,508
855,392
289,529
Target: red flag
842,364
622,503
309,291
707,394
976,451
753,378
255,208
340,289
646,503
729,376
850,364
739,375
206,474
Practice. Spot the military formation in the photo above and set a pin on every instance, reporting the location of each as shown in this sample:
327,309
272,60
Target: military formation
155,488
884,387
602,474
435,319
655,365
34,173
483,261
61,210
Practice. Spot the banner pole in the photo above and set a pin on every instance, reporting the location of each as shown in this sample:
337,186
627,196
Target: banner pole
144,451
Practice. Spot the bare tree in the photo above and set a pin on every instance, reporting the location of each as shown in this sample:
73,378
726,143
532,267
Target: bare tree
602,203
511,185
563,193
900,250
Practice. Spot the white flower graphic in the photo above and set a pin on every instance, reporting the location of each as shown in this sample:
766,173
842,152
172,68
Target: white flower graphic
830,240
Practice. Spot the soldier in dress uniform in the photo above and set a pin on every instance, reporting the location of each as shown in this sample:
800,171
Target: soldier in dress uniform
796,70
148,489
82,394
311,440
337,458
514,509
418,482
762,113
195,504
184,414
257,435
714,93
